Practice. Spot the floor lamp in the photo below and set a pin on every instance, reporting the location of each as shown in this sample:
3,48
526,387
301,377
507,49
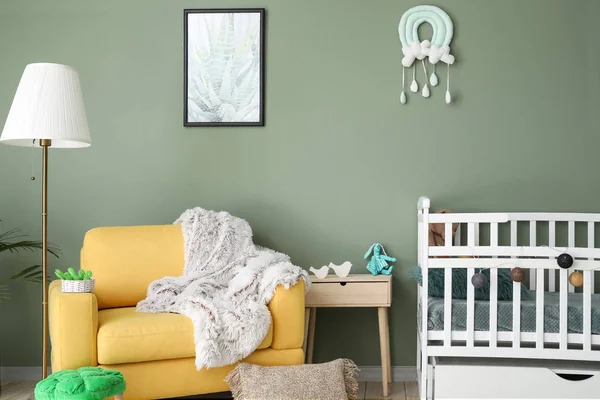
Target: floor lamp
47,111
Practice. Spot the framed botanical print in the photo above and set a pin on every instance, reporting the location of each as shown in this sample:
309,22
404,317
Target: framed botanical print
224,67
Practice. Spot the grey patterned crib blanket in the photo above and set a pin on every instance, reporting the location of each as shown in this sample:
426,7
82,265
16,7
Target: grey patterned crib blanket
528,314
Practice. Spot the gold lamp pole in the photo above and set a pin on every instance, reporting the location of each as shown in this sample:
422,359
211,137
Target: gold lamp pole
48,111
45,143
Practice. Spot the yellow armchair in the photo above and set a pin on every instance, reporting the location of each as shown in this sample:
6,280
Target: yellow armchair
155,352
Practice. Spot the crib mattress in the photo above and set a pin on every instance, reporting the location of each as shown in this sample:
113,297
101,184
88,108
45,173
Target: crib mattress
528,314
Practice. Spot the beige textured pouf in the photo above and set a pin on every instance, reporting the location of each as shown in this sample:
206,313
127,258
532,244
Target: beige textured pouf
334,380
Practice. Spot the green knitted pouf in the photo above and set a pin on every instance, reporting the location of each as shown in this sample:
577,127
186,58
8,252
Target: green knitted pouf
87,383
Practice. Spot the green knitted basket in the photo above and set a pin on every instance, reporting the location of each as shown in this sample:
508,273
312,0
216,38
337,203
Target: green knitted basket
87,383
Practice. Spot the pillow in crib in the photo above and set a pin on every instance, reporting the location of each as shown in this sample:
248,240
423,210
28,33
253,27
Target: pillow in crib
459,284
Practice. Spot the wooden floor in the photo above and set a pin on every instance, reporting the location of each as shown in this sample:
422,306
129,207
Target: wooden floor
367,390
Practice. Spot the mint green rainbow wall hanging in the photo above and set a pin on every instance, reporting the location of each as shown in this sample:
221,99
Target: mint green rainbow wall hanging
434,51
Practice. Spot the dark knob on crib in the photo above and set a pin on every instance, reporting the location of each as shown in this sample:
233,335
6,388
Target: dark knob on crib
564,261
479,280
517,274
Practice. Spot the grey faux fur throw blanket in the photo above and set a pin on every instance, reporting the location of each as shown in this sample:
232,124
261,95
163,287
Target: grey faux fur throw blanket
226,285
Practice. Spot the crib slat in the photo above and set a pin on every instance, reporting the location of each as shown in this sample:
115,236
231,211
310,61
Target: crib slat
424,291
457,240
448,307
539,310
513,233
493,290
470,308
493,307
591,245
587,309
571,233
532,243
551,243
448,234
571,246
516,326
494,234
563,308
471,234
470,290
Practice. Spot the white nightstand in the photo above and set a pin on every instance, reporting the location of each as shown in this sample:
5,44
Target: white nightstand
359,290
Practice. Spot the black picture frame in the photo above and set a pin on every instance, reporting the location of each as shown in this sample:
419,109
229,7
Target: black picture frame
261,73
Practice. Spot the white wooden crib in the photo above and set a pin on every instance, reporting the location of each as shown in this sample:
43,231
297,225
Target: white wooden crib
531,241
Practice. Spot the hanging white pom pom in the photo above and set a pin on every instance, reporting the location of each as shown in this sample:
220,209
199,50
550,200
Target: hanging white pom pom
402,97
433,79
414,86
448,95
425,91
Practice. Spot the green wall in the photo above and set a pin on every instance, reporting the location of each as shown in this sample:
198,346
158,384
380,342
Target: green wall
340,163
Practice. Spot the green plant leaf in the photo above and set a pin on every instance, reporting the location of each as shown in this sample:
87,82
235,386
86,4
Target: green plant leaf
26,245
13,241
32,274
37,279
4,293
37,268
9,241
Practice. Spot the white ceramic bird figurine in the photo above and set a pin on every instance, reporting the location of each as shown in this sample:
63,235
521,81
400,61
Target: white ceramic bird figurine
320,273
341,270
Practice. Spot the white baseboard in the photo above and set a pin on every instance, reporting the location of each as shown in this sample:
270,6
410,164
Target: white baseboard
399,374
366,374
22,373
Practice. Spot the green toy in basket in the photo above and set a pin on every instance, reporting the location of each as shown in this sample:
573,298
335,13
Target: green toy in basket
76,282
71,275
86,383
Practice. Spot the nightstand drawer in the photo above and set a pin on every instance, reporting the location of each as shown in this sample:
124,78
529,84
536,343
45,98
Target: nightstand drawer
349,294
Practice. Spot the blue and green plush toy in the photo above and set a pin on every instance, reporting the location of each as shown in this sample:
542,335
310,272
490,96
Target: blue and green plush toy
379,262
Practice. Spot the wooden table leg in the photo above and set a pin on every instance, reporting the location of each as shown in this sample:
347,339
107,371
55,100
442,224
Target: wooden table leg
311,335
306,322
384,348
387,341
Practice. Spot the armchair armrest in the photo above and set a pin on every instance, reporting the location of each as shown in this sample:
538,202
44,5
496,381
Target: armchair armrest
73,319
287,312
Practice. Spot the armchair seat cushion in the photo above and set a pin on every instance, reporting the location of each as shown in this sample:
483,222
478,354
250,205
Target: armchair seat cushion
127,336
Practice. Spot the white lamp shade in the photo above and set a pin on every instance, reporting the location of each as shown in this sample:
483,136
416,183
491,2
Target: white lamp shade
48,105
